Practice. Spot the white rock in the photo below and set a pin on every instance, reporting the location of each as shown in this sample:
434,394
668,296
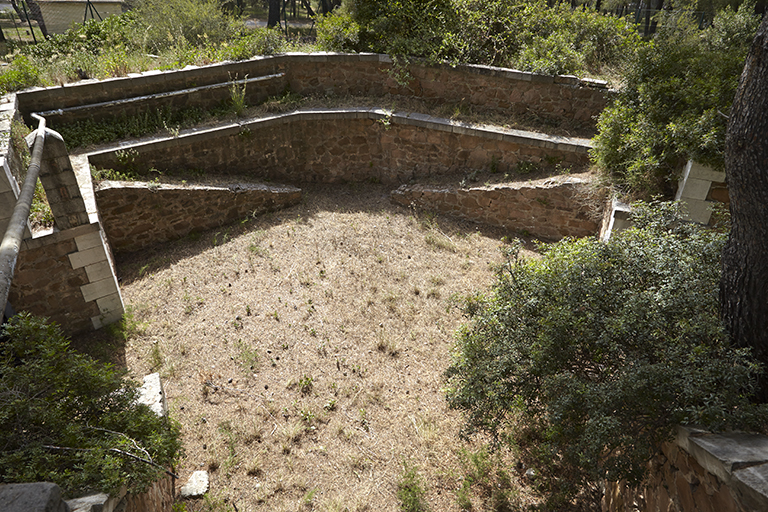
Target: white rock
196,486
151,394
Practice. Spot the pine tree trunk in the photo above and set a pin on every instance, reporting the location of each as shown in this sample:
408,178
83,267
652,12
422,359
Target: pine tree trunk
744,285
273,18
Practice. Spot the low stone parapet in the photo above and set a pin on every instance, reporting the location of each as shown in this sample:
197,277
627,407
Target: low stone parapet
347,145
700,472
551,208
136,215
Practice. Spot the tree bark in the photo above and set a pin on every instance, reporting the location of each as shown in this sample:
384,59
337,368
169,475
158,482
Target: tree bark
273,19
744,284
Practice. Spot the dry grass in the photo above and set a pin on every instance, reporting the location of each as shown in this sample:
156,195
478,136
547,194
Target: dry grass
303,352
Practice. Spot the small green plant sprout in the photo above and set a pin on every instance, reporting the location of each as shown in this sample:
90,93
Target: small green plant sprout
247,356
330,405
411,491
237,97
305,384
525,167
494,166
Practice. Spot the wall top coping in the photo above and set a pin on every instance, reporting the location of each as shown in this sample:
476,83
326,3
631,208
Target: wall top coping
193,135
58,236
739,459
234,188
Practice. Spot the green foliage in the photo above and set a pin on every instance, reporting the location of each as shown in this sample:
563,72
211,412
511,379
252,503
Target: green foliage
153,35
170,23
410,490
674,106
486,475
21,73
68,419
531,36
403,27
338,32
592,354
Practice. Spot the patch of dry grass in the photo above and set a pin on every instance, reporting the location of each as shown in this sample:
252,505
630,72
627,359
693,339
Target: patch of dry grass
303,351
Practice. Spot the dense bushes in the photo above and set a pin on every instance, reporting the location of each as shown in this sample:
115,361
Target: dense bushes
591,355
154,35
68,419
523,34
674,102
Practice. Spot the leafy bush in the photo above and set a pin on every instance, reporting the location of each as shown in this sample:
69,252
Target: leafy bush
410,490
338,32
403,27
589,356
168,23
68,419
532,36
22,73
674,105
260,41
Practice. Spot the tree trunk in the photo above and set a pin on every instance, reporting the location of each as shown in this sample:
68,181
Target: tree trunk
273,18
744,285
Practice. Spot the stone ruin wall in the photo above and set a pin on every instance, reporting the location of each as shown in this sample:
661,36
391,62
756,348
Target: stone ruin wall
556,98
344,146
138,215
699,471
551,208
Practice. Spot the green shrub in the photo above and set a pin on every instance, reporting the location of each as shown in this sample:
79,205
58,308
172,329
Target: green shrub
410,490
589,356
338,32
67,419
674,105
167,23
21,73
532,36
260,41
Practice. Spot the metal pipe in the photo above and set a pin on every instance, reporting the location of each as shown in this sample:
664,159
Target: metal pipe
9,248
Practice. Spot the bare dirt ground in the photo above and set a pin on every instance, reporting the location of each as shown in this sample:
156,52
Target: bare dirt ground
303,353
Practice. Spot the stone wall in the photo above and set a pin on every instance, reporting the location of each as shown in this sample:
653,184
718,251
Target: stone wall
256,90
561,98
550,208
136,215
700,472
333,146
67,277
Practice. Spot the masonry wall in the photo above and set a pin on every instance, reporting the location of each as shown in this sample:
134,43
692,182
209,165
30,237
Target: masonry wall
565,98
700,472
348,145
551,208
136,215
66,276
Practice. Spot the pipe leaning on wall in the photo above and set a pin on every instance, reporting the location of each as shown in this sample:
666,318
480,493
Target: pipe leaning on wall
9,248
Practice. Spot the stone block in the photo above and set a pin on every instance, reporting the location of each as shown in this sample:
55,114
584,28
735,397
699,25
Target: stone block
196,486
88,257
99,289
702,172
693,188
697,210
88,241
32,497
152,395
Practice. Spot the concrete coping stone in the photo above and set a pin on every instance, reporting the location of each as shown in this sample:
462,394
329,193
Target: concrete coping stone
736,458
58,236
234,188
